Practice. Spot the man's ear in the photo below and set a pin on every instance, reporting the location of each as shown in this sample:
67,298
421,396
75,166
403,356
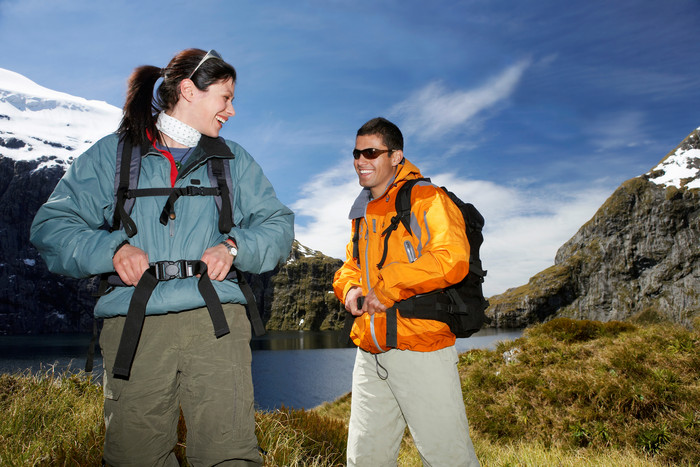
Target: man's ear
396,157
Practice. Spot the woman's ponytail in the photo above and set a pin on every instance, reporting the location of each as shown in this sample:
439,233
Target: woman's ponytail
139,118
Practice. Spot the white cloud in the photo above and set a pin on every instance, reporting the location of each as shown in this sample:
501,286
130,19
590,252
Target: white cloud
433,111
524,227
618,130
322,211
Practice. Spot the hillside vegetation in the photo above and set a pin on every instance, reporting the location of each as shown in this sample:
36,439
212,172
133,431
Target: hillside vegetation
567,393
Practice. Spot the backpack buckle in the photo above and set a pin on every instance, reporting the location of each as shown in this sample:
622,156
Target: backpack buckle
167,270
194,190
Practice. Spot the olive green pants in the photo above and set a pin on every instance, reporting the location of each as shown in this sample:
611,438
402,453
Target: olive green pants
179,363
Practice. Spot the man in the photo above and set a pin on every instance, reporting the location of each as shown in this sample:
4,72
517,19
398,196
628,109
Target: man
416,383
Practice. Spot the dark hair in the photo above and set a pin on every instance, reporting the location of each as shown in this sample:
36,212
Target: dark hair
390,133
141,106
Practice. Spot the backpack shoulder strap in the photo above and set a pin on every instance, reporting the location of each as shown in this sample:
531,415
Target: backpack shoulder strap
403,213
403,202
126,177
220,176
356,241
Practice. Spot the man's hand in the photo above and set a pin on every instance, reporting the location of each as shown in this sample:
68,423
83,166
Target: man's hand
351,300
130,263
372,304
218,261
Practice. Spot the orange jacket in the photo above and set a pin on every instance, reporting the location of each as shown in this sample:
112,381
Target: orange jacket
438,244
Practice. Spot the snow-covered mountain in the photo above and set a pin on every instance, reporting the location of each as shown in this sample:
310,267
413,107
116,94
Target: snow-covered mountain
39,123
41,132
681,167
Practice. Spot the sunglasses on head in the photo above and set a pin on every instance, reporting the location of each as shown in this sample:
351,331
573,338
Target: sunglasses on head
370,153
211,54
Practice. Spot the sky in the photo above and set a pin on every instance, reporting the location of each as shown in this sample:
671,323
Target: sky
535,111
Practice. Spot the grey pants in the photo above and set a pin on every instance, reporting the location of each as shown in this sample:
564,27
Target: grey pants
179,363
418,389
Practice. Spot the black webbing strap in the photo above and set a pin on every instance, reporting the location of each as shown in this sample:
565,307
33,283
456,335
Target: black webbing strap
392,226
134,324
175,193
120,214
253,312
356,242
391,327
211,299
91,347
136,315
226,209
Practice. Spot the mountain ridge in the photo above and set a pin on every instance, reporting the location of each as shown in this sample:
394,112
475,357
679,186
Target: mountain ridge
638,257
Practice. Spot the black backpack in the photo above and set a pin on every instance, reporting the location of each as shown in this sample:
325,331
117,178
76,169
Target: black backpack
461,306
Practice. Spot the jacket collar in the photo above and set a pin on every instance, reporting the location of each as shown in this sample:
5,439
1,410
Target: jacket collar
206,147
405,171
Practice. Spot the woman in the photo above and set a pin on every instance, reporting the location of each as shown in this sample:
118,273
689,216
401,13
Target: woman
179,362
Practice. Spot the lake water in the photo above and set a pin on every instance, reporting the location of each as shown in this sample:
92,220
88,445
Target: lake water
295,369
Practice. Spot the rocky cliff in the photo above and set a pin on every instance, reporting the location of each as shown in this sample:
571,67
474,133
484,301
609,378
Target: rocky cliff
32,300
302,293
639,256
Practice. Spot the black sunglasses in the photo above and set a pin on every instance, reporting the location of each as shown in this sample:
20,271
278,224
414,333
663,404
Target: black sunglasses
370,153
211,54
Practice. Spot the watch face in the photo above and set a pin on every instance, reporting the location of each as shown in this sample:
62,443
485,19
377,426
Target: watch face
231,249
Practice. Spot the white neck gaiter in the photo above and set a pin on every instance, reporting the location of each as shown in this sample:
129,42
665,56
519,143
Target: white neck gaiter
178,131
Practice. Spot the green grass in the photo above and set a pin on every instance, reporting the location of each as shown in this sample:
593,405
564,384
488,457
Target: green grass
590,385
572,393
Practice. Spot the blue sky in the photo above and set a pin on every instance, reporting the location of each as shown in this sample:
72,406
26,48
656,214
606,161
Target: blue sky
534,110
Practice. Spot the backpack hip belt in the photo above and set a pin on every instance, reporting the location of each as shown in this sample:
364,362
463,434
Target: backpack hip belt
136,315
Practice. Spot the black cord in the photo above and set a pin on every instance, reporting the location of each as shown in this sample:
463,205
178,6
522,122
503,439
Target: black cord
379,365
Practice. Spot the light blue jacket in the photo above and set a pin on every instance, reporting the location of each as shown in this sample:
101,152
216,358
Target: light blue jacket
69,230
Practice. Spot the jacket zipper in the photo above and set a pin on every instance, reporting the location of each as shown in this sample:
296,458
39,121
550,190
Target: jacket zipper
369,284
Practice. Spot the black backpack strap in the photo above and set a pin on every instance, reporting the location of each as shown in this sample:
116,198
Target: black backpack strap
89,361
174,193
133,325
403,214
391,327
220,176
128,168
253,311
208,292
356,241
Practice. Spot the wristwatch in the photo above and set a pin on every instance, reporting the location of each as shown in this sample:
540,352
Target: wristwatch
230,244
